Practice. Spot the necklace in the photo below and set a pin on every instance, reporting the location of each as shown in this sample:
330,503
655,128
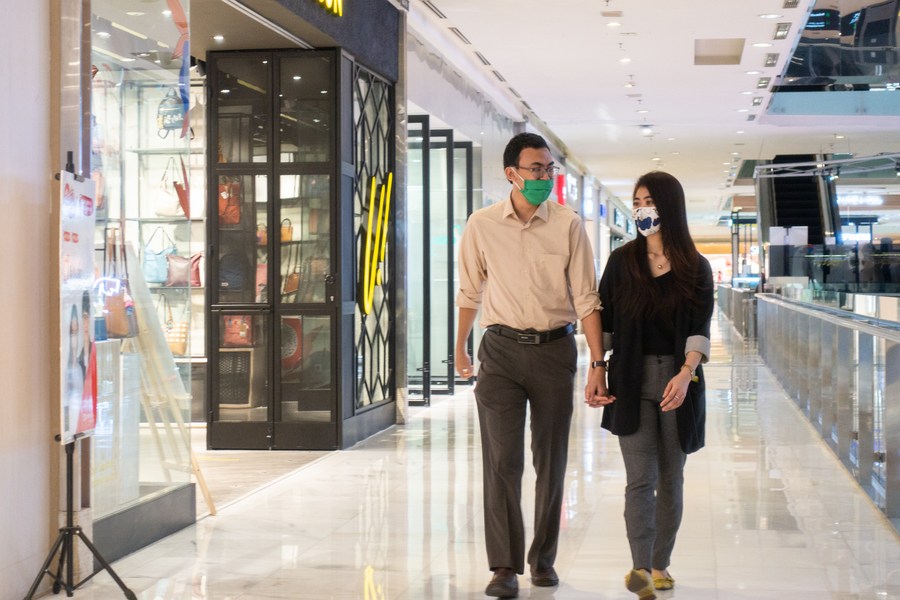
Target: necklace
659,265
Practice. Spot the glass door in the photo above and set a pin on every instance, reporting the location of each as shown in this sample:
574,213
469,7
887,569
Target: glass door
463,201
441,257
273,382
418,261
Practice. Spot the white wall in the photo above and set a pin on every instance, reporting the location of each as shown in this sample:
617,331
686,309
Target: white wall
27,481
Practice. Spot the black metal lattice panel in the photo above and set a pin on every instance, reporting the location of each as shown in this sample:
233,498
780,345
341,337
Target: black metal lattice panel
373,117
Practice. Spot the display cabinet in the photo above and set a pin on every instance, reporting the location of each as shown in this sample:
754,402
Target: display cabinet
272,160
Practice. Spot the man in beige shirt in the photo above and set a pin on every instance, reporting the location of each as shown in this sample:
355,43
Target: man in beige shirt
527,265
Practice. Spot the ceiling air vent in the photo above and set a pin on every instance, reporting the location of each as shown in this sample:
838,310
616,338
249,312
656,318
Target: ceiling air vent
781,31
515,93
434,9
771,59
612,14
791,3
460,35
499,76
481,57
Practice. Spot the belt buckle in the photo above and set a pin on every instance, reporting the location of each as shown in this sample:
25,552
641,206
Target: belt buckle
528,338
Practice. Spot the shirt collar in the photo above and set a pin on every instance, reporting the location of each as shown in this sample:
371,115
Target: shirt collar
542,212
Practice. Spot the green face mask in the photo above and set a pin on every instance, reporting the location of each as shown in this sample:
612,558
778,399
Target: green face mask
536,190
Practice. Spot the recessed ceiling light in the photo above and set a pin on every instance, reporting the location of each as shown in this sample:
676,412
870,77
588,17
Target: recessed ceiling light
323,91
727,164
656,159
762,45
770,16
670,139
735,153
753,72
739,132
838,136
642,111
747,93
625,60
297,78
135,13
614,24
743,110
219,38
225,91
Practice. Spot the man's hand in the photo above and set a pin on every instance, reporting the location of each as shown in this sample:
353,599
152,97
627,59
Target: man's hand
595,392
464,365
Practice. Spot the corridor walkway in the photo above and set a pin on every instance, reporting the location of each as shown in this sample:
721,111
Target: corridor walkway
770,514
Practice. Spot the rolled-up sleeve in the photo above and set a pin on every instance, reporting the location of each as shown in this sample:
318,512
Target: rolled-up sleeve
582,277
698,339
472,273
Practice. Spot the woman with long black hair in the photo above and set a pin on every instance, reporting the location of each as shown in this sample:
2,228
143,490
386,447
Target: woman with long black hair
657,294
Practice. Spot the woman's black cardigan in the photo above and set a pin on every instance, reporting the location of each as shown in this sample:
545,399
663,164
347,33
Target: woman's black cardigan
623,334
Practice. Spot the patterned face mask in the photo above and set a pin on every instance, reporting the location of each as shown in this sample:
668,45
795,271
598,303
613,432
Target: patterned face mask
647,219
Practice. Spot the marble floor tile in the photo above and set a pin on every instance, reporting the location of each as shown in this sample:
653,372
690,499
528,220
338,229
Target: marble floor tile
770,514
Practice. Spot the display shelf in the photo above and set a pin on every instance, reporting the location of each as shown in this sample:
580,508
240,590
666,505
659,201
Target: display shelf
164,151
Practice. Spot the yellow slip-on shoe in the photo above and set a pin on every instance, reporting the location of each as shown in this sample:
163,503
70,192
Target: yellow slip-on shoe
638,581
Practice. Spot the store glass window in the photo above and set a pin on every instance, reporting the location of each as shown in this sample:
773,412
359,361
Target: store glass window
149,243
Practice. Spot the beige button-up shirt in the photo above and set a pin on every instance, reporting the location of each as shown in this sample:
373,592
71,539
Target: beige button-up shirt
535,275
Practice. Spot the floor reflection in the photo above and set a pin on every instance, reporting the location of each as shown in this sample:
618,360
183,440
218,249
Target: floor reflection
770,513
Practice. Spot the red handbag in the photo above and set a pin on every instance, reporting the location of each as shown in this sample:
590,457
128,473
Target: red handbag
291,344
230,203
237,331
183,190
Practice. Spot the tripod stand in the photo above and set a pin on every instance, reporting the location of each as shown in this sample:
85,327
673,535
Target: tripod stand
65,544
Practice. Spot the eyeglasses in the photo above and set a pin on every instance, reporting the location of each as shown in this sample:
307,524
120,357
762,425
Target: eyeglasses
539,172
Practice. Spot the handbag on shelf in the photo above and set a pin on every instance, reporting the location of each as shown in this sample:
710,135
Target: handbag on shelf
168,199
237,331
233,269
262,237
183,190
184,271
118,305
155,263
287,230
175,332
170,113
230,203
262,287
291,344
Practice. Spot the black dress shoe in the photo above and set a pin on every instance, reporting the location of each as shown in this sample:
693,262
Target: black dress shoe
544,577
504,584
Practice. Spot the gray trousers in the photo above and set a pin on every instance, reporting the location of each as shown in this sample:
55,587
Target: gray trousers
512,377
654,469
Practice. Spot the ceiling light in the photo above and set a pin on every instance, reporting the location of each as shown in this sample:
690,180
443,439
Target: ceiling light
167,13
103,34
297,77
753,72
670,139
614,24
323,91
642,111
781,31
757,101
625,60
762,45
747,93
225,91
656,159
763,82
219,38
743,110
838,136
771,59
770,16
135,13
646,129
739,132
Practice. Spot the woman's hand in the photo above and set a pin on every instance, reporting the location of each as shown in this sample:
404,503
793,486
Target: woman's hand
595,392
676,390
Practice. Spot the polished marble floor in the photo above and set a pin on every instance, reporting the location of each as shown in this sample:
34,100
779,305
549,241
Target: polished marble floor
770,514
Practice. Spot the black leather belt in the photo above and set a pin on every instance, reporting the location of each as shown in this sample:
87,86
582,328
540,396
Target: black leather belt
532,337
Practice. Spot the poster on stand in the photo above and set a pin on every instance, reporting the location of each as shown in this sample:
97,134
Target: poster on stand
78,369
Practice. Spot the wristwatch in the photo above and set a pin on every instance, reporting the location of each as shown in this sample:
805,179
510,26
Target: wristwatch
598,363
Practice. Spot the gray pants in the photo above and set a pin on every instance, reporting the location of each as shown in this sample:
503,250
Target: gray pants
511,378
654,469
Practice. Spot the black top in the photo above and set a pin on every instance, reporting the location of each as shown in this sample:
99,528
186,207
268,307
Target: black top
659,325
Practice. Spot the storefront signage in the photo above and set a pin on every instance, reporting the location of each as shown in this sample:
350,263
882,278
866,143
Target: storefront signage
335,7
376,241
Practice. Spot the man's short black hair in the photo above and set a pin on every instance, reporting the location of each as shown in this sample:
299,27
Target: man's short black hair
517,144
